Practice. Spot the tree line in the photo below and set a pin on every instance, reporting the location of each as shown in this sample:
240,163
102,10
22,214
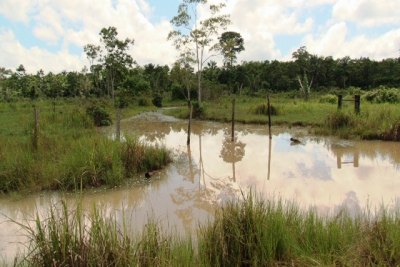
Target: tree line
245,78
113,72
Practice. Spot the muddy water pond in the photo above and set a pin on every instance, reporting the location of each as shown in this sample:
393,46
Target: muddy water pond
322,172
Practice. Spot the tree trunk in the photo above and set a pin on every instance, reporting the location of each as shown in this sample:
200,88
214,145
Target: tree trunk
199,86
118,125
190,122
233,120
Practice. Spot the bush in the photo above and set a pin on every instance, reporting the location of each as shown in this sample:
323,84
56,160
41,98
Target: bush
157,101
332,99
144,102
121,102
339,120
262,109
383,95
198,110
99,115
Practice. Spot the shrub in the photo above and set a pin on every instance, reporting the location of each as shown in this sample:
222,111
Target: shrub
157,100
198,110
332,99
99,115
262,109
393,134
121,102
144,102
383,95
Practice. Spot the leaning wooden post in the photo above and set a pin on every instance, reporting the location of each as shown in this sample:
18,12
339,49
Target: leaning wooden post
340,102
357,103
269,117
35,140
190,122
118,125
233,119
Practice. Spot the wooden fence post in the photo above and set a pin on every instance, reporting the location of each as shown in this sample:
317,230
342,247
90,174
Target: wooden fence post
269,117
357,103
233,119
340,102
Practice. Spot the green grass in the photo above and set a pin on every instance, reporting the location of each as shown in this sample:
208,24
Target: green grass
72,154
245,232
376,121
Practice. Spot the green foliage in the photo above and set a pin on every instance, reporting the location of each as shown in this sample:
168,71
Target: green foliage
383,95
99,115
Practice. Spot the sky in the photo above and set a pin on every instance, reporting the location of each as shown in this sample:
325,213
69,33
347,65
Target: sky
51,34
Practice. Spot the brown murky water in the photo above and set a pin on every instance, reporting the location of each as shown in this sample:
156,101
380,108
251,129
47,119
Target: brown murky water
326,173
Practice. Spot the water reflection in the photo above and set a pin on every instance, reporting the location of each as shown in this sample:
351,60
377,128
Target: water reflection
326,173
232,152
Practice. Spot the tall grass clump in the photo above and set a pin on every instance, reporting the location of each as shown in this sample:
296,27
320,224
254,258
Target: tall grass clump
254,232
338,120
247,233
262,109
138,157
72,237
91,162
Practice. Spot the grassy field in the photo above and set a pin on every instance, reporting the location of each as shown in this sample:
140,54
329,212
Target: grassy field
375,121
246,232
72,153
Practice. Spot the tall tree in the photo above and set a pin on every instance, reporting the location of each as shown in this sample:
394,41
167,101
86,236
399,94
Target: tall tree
113,56
230,43
196,35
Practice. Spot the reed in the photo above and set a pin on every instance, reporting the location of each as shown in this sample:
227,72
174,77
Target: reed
245,232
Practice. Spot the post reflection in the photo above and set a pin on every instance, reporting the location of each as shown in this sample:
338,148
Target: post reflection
346,155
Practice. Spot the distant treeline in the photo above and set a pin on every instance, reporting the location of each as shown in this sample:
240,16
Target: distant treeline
246,78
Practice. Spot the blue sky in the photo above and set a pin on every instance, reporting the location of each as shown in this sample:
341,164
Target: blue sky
51,34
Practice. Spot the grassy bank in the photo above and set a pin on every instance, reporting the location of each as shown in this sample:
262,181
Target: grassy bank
247,232
375,121
71,153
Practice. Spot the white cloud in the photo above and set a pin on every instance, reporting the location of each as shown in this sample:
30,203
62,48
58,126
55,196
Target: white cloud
78,22
367,12
16,10
13,54
68,23
336,42
258,21
46,33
